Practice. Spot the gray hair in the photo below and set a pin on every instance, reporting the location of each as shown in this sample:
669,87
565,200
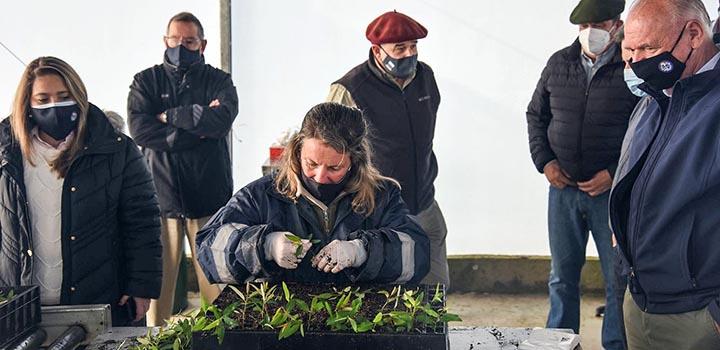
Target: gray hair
115,120
681,11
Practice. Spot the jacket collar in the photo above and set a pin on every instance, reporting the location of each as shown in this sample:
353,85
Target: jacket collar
694,86
302,192
100,137
180,72
385,77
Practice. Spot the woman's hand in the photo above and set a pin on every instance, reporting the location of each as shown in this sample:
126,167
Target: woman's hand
339,255
283,251
141,306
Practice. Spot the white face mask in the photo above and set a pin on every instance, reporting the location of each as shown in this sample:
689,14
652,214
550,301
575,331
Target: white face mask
594,40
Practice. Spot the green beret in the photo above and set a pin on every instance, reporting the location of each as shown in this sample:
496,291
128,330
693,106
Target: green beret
593,11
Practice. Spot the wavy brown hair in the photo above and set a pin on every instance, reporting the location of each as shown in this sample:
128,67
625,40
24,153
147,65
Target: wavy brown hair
345,130
21,124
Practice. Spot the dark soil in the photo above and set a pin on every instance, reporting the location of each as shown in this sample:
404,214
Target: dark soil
371,305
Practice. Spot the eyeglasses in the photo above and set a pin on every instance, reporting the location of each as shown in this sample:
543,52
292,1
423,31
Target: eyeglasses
190,43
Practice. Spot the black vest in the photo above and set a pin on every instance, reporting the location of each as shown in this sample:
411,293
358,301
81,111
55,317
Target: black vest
402,126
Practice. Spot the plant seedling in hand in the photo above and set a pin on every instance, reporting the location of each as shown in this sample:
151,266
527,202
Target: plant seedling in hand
297,242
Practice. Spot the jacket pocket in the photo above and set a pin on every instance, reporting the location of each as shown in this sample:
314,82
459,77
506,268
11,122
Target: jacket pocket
688,251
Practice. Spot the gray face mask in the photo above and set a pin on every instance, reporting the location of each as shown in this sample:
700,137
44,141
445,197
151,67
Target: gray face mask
401,68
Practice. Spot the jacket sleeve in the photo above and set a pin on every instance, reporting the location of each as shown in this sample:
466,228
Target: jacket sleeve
230,246
204,121
538,119
139,227
144,127
398,249
339,94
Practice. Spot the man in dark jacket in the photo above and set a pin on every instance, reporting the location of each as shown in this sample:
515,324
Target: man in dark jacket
576,122
180,112
664,205
400,99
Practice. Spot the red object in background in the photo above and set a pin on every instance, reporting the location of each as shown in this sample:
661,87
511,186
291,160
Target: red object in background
276,152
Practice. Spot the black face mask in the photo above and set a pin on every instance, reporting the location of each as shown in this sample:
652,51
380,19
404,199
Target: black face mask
326,193
661,71
400,68
181,57
56,119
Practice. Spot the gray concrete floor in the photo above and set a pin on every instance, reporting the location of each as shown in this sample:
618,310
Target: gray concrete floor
509,310
523,310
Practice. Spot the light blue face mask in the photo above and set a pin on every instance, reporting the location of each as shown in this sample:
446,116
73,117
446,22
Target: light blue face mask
633,82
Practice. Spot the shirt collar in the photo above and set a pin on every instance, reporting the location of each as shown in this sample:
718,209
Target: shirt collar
601,59
708,66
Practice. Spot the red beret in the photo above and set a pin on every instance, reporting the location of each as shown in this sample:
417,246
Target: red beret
394,27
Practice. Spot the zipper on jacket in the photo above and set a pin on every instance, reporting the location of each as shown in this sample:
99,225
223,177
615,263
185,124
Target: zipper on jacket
326,222
584,116
582,124
651,163
414,150
633,280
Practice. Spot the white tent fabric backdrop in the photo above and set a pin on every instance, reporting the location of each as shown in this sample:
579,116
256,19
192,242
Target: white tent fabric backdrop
487,57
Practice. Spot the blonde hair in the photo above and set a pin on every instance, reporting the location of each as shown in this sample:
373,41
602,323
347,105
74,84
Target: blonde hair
20,123
345,130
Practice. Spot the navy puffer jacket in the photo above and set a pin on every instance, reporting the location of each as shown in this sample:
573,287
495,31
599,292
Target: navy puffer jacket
230,246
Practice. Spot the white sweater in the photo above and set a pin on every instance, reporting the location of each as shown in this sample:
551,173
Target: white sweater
44,193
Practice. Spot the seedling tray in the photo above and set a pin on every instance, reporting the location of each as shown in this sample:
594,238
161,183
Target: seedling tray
426,337
266,340
20,315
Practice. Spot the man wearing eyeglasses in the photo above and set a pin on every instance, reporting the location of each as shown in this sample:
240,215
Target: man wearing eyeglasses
180,113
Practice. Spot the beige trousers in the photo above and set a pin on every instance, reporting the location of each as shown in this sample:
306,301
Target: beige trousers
172,236
694,330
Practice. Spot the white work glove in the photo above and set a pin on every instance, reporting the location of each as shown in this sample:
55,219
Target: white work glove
339,255
279,248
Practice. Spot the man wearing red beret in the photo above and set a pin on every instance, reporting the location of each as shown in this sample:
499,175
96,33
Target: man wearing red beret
400,99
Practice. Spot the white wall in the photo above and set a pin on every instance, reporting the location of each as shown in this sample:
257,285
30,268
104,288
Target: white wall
487,57
107,42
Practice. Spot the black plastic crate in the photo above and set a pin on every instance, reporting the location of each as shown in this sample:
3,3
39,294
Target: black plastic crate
265,340
432,338
20,315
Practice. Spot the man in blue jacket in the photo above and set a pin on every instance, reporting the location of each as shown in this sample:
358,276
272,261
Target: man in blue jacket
664,206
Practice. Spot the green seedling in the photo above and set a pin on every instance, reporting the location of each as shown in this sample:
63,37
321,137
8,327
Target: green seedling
5,297
266,297
297,242
403,310
177,335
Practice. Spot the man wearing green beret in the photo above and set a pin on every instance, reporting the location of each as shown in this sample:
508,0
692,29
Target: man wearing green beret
577,118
